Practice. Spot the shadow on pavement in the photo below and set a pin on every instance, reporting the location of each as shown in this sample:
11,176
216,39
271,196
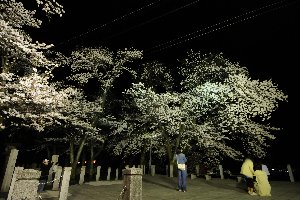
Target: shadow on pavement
161,181
238,187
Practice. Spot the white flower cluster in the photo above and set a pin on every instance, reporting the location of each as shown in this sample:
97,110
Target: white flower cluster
51,7
220,109
15,44
17,16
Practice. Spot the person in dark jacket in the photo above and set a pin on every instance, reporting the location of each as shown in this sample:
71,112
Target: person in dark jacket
45,168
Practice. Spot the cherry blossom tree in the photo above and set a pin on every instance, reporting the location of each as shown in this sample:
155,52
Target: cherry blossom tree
15,44
140,133
17,51
31,100
104,67
220,111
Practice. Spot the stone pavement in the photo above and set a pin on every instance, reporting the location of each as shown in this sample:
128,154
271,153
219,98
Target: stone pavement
164,188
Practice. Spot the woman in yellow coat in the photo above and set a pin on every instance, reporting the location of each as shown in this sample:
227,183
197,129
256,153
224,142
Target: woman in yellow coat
261,185
248,172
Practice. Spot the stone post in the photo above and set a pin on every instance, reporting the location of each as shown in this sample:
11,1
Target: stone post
10,165
117,174
152,170
108,174
132,183
57,178
171,170
221,171
197,170
98,173
239,179
289,168
26,184
82,174
193,176
54,159
13,181
167,170
63,193
207,177
142,167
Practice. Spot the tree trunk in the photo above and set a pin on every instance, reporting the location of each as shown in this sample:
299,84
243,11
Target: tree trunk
143,156
83,158
4,66
171,154
93,156
74,160
91,168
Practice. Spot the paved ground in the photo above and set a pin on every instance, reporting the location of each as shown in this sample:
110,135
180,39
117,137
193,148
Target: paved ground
164,188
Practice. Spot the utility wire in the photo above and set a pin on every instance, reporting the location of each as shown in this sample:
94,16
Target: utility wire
206,30
151,20
214,25
106,24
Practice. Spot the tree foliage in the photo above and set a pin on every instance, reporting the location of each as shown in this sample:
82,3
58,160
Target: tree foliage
217,109
15,43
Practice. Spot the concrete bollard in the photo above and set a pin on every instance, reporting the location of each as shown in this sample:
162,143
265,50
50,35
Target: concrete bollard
289,168
98,173
152,170
117,174
57,178
132,183
10,166
64,189
26,184
221,171
108,174
82,174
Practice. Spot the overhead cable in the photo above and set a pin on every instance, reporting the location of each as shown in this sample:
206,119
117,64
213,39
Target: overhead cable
216,27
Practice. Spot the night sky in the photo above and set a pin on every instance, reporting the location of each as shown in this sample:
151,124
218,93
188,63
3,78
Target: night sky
261,34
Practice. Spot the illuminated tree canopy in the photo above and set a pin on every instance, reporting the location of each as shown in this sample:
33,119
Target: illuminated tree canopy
219,105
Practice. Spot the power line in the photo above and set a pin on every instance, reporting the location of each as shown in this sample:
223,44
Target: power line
106,24
206,30
214,25
151,20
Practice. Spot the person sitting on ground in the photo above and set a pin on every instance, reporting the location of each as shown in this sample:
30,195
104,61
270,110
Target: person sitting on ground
247,171
261,185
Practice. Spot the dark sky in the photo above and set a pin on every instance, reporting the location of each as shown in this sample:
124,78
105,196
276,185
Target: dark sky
261,34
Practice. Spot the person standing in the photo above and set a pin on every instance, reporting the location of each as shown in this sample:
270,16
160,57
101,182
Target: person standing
265,168
45,168
248,172
182,170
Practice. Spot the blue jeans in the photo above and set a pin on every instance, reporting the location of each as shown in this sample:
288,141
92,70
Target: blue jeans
41,186
182,174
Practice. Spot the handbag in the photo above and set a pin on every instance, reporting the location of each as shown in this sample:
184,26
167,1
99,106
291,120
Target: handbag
181,166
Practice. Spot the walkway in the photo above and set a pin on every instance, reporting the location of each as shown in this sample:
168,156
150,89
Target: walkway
164,188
